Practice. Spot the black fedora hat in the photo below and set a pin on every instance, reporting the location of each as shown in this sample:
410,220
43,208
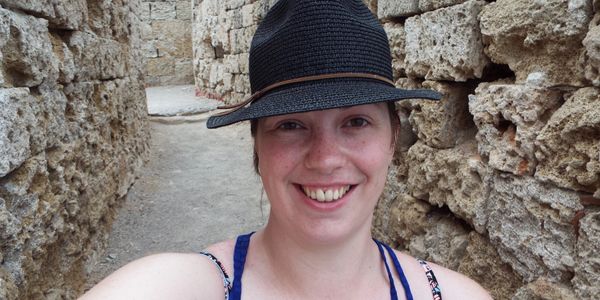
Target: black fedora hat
317,54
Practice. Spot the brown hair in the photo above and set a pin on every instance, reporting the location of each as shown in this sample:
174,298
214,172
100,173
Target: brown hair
394,121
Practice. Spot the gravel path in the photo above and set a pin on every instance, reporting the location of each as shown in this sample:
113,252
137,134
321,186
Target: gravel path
197,188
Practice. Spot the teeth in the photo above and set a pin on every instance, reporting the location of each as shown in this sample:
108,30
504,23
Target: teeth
327,195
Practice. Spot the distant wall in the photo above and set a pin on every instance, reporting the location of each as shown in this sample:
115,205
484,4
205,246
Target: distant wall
499,180
167,45
73,134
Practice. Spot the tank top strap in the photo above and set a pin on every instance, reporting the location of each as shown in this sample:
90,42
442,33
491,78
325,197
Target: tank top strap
393,293
403,279
239,260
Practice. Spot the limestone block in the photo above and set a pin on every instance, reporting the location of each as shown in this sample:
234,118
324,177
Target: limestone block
66,64
184,10
114,19
183,73
145,11
442,124
397,39
591,43
63,14
234,4
247,15
178,43
541,37
27,57
261,8
163,10
150,50
234,19
543,288
509,118
446,44
446,242
16,116
530,223
97,58
450,177
482,263
381,221
428,5
392,8
240,39
587,267
568,147
408,219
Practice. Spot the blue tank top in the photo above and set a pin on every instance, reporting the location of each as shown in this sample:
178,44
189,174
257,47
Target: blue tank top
241,250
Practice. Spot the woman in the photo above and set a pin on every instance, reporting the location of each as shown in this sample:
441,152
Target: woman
324,127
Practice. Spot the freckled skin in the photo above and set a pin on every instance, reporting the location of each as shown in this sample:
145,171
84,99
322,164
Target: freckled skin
330,147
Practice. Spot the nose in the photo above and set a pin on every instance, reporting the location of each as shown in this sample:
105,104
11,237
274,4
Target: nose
325,152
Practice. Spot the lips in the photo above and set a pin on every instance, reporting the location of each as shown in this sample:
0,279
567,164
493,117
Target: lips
325,194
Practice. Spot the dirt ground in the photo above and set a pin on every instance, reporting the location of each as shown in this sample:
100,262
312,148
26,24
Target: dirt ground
197,188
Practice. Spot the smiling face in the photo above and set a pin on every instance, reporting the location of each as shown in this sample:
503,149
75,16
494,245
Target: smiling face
324,171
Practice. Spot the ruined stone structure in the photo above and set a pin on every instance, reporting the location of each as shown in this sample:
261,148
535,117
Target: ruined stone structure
167,35
500,180
73,133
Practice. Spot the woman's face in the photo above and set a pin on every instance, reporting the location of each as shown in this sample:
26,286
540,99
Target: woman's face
323,171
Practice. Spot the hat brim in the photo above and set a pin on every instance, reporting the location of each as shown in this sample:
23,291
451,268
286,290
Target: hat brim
319,95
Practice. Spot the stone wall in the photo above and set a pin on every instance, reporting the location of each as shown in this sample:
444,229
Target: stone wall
499,180
73,133
167,35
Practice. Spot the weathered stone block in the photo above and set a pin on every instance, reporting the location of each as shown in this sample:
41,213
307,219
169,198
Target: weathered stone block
97,58
446,241
538,37
446,44
397,39
178,43
427,5
63,14
184,10
16,115
450,177
531,225
509,118
587,267
543,288
240,39
66,64
247,15
568,147
163,10
442,124
592,52
145,11
27,57
392,8
482,263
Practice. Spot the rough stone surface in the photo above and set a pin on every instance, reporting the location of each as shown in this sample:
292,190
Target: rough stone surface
544,289
531,225
69,14
587,266
482,261
73,135
167,42
446,44
445,123
592,52
542,38
452,178
509,118
568,147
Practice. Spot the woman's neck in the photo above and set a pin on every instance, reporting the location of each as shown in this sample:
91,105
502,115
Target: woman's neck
301,264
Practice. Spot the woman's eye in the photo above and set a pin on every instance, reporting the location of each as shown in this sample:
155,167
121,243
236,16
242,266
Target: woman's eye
357,122
289,126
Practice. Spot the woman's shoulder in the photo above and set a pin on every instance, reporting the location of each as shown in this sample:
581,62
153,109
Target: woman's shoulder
166,275
453,285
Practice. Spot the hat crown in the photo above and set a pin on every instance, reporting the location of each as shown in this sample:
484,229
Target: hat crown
299,38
